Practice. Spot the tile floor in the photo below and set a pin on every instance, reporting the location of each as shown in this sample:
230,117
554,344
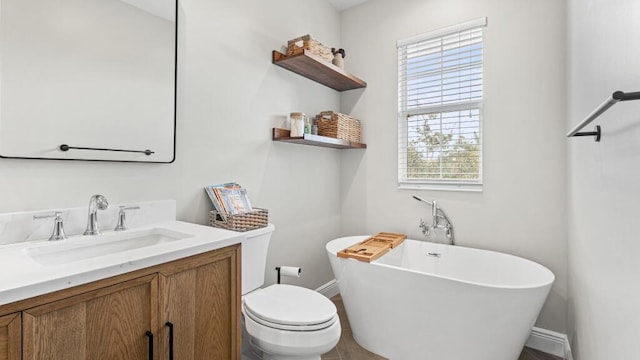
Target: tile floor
348,349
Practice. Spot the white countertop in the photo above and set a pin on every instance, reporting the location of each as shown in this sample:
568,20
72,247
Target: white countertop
22,277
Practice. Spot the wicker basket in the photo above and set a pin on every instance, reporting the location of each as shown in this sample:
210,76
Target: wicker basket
339,126
256,219
299,44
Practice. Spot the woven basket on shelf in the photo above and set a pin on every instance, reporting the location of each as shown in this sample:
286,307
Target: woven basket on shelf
338,125
256,219
299,44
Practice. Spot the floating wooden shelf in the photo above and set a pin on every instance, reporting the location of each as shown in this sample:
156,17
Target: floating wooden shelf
315,140
317,69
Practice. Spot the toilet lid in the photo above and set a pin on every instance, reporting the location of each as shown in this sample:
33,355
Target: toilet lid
290,306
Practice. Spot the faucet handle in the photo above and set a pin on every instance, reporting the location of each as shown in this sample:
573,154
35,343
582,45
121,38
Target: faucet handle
58,226
122,215
47,216
424,227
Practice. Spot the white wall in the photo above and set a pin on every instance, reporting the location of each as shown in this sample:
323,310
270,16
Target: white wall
603,50
522,209
229,98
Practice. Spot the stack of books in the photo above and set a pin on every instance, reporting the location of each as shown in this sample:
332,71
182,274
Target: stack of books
229,199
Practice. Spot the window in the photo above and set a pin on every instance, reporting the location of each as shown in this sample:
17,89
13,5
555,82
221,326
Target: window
440,109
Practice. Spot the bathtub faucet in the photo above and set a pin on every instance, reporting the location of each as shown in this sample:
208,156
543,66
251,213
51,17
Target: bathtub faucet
437,215
434,213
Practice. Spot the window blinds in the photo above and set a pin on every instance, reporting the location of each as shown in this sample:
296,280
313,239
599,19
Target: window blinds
439,107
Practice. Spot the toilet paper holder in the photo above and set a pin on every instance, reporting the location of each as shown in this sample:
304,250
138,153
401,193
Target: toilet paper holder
292,271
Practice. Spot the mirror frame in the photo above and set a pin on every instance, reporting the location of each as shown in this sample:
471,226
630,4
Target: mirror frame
175,99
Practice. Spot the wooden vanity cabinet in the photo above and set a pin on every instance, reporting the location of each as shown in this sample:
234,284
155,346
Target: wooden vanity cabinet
108,323
112,319
205,319
10,336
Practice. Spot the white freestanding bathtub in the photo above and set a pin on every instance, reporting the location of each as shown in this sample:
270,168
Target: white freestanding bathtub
429,301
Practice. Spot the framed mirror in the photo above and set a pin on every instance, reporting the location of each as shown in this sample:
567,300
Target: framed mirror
88,79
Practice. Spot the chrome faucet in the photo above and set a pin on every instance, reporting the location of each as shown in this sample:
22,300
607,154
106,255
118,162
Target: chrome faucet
437,214
434,213
58,227
97,202
122,217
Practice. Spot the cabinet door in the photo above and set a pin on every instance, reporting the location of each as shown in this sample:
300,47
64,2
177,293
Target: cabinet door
10,337
201,298
108,323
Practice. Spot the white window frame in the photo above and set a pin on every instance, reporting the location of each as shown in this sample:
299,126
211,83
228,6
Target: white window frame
403,113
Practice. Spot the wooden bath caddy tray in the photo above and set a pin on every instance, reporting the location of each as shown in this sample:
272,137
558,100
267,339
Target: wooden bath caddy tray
373,247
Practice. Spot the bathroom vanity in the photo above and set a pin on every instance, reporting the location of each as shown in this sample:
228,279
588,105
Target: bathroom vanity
195,300
161,298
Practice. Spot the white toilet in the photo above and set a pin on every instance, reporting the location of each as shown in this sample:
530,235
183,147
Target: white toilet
282,322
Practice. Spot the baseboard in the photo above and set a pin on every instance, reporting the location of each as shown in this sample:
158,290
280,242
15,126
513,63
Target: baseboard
567,349
550,342
329,289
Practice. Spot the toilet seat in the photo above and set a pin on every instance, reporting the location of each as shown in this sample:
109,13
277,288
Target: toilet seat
290,308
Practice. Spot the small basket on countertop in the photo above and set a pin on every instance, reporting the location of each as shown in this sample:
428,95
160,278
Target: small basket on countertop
306,42
258,218
338,125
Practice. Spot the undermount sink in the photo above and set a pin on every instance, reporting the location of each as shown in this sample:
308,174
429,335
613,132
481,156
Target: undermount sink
88,247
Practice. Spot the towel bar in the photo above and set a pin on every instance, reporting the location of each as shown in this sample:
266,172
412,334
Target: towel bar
609,102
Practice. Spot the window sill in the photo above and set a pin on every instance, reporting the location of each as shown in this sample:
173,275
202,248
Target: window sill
440,186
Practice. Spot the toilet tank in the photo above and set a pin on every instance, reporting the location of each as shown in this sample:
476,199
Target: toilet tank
254,257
